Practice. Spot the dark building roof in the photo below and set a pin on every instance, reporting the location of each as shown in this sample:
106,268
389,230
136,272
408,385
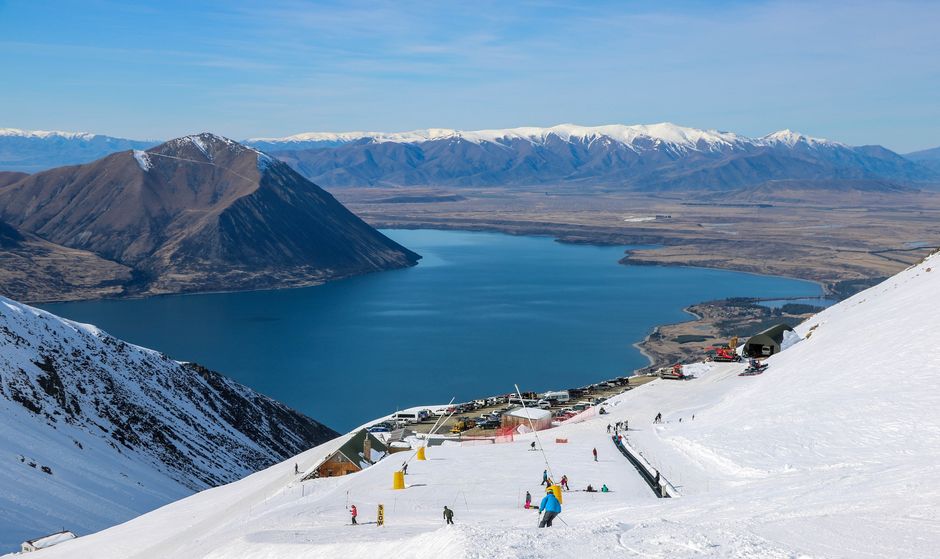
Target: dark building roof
352,448
775,333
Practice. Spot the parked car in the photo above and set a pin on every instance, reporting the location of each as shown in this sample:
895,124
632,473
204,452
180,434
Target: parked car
544,404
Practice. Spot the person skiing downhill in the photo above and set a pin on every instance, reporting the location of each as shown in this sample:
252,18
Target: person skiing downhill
448,515
551,508
608,427
354,513
595,455
564,482
528,500
545,478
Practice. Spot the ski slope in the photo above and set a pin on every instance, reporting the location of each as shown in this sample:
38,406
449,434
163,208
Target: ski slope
834,451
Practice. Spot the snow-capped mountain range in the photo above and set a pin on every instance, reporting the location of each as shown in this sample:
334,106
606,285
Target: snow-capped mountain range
636,136
96,430
832,452
642,157
37,150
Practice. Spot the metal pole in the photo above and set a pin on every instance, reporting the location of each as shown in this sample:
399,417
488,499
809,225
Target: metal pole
538,440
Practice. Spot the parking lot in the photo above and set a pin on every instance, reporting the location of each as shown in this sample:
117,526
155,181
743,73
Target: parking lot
494,406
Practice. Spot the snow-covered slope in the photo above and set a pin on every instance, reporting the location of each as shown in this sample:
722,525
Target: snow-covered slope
94,431
833,452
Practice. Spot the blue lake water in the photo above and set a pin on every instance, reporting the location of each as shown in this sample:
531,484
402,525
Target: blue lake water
480,312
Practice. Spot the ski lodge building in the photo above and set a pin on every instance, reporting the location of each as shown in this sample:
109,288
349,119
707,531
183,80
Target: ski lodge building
767,342
360,451
539,418
46,541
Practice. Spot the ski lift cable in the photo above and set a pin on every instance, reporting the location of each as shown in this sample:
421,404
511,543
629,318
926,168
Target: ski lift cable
548,466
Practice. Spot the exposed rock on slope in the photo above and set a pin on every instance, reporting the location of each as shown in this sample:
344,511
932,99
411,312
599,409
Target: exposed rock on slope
95,430
200,213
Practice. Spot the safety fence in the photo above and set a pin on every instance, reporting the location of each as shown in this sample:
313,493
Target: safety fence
660,486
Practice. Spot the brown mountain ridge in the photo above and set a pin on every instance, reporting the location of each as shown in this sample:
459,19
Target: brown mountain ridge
198,213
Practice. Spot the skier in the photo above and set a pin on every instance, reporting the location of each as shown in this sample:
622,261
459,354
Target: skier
590,489
608,428
545,478
528,500
564,482
626,425
595,455
354,513
551,508
448,515
296,469
404,468
532,446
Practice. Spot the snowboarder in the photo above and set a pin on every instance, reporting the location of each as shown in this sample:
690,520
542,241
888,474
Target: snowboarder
551,508
595,455
528,500
564,482
448,515
604,488
545,478
354,513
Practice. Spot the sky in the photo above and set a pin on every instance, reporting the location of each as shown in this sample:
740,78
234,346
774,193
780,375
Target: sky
860,72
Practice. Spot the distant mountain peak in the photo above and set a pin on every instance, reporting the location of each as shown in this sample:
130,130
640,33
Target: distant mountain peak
790,138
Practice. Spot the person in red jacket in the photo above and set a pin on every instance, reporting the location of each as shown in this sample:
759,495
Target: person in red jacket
354,513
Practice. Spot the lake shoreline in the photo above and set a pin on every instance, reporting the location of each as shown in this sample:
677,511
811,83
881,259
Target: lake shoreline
523,307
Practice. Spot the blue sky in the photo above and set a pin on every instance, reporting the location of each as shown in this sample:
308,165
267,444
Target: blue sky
860,72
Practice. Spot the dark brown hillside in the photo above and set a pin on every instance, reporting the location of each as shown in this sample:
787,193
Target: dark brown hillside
200,213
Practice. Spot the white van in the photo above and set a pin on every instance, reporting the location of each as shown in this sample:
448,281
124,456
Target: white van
560,396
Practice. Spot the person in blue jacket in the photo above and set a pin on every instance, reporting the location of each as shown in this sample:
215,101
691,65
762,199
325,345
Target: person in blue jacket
551,508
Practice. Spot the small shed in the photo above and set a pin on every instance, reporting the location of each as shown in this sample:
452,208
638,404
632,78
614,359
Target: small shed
767,342
358,453
539,418
46,541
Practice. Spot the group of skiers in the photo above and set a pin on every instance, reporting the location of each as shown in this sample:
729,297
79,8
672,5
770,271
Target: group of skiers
619,426
448,514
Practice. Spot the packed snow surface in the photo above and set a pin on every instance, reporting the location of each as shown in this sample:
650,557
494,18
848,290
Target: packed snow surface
665,132
834,451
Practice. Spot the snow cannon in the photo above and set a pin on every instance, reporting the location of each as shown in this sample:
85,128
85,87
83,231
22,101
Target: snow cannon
421,453
398,480
556,489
